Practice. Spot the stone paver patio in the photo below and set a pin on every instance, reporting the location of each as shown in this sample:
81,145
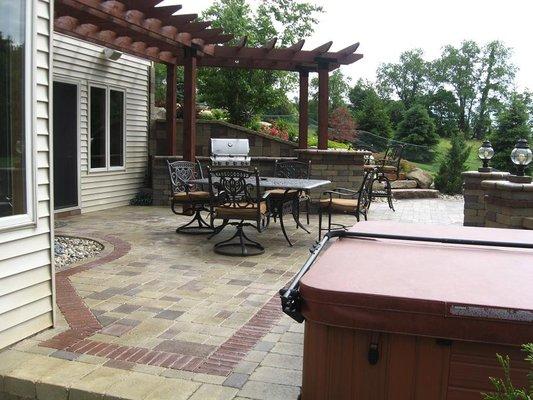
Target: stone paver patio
160,316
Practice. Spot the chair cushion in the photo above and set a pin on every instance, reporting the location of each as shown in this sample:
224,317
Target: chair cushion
279,193
183,197
245,211
341,205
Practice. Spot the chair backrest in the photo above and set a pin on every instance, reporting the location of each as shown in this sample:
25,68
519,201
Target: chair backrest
181,173
292,169
393,156
234,187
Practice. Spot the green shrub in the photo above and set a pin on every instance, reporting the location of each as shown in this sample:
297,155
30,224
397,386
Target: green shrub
418,128
449,179
504,388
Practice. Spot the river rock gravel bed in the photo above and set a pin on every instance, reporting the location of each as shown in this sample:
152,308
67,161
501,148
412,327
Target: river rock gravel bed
69,250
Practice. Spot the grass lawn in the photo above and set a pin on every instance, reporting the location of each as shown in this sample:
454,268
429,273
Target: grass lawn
441,149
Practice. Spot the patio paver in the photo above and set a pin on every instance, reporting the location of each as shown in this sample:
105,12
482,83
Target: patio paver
163,309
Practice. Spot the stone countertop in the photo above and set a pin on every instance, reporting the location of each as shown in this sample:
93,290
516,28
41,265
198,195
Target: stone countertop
334,151
488,175
506,185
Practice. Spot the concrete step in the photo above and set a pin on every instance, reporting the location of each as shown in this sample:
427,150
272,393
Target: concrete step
415,193
528,223
403,184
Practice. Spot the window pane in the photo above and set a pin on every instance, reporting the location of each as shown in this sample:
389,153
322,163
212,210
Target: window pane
116,128
12,130
98,110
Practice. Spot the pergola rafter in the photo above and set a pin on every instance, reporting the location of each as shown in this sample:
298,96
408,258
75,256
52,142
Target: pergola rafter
159,34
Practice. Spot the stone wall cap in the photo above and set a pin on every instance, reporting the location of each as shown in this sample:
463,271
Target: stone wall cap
485,175
335,151
254,158
239,128
508,186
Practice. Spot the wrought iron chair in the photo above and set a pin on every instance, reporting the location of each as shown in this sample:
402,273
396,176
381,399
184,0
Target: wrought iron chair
345,201
386,170
236,196
188,196
278,198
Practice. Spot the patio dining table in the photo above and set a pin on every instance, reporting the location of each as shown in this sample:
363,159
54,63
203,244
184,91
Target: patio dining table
287,184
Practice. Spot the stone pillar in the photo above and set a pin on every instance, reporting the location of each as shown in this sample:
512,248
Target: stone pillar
508,204
474,194
343,168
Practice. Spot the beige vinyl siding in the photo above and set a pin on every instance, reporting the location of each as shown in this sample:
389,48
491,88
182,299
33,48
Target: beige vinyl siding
82,62
26,273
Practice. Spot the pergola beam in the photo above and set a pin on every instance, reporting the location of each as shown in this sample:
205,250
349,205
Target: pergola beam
171,112
303,122
323,106
189,106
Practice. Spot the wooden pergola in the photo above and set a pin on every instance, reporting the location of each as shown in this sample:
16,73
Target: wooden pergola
159,34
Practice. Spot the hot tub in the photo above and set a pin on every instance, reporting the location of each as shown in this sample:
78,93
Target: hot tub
393,317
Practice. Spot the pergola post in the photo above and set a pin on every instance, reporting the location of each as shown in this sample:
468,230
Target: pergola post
323,106
303,125
189,105
171,110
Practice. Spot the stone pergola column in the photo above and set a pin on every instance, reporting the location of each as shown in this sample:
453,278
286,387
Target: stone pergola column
189,105
171,114
303,123
323,106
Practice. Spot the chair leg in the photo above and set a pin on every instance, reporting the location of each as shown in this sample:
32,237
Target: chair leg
319,223
243,247
283,227
307,209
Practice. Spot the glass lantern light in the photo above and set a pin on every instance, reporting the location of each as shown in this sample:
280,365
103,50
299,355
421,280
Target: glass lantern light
521,156
485,154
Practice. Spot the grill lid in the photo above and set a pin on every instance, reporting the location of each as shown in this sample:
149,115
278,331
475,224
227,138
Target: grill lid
230,152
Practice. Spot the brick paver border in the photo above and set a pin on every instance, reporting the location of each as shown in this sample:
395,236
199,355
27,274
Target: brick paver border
84,324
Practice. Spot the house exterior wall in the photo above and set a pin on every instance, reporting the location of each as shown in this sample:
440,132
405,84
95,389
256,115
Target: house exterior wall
81,62
26,271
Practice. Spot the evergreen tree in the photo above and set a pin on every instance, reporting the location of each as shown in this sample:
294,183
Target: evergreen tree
449,179
417,128
512,125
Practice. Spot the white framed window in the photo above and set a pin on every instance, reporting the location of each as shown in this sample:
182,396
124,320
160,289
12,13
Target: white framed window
17,158
107,128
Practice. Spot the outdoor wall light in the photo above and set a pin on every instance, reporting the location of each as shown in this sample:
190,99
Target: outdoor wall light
521,156
485,154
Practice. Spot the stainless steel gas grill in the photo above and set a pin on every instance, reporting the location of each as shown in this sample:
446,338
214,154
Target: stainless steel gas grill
230,153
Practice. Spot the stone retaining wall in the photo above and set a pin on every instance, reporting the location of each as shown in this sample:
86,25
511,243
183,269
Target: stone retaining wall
508,204
342,167
261,145
474,195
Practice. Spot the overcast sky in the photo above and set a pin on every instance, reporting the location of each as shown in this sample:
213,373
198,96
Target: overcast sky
385,28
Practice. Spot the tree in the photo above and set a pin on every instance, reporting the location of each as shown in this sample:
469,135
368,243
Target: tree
417,128
247,93
369,109
339,86
497,74
408,79
443,108
513,124
343,126
457,67
449,179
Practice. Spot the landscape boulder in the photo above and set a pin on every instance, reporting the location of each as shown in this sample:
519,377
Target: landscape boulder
423,179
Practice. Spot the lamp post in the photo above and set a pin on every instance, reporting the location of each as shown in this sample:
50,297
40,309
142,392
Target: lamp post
521,156
485,154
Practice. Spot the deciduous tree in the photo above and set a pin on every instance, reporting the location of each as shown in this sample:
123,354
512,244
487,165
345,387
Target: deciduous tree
407,79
